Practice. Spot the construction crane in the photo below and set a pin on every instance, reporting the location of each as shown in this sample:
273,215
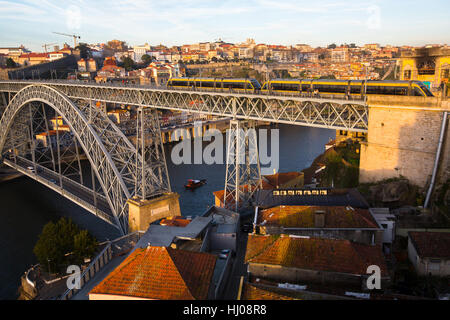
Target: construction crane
47,45
74,36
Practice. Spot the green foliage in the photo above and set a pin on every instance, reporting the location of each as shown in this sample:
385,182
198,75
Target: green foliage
147,59
10,63
128,63
63,243
84,245
85,51
332,46
342,167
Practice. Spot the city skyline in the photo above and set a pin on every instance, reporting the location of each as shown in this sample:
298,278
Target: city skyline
192,21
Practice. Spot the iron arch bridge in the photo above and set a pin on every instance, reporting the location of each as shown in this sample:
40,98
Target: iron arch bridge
336,114
121,169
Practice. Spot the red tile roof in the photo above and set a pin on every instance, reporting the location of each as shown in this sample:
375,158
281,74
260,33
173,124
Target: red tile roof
252,292
161,273
431,244
282,177
175,222
314,254
303,217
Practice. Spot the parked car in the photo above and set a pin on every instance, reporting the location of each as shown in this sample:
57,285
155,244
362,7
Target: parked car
223,256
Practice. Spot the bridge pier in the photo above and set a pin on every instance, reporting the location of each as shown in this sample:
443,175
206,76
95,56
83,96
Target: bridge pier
403,139
243,173
141,213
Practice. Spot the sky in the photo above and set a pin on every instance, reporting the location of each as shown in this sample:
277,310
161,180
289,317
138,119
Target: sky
177,22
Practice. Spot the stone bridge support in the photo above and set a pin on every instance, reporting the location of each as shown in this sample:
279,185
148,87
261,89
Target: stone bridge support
402,140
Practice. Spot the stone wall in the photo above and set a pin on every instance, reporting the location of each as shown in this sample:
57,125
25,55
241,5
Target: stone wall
403,138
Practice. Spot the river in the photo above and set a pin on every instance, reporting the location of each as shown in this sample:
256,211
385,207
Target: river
27,205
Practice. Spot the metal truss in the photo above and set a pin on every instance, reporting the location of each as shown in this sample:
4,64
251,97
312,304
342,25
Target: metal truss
152,176
113,158
243,173
314,112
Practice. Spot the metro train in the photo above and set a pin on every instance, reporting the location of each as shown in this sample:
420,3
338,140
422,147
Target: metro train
325,87
216,84
347,87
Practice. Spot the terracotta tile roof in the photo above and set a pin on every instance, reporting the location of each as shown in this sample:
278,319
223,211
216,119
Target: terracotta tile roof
252,292
161,273
175,222
282,177
303,217
230,197
431,244
314,254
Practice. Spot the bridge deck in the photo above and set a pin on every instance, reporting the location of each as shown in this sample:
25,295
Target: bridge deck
70,189
339,114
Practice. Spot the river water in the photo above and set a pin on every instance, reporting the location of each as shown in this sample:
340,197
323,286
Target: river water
26,205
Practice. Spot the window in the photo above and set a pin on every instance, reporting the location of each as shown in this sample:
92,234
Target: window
417,92
445,73
401,91
207,84
355,89
434,265
407,75
384,225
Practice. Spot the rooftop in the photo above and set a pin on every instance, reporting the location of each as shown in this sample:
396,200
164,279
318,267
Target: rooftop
332,197
161,273
431,244
303,217
253,292
158,235
282,178
314,254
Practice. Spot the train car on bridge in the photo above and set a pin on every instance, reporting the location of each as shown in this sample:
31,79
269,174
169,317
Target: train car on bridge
249,85
353,88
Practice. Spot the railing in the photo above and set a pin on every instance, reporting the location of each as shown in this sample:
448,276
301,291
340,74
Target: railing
299,94
116,247
94,267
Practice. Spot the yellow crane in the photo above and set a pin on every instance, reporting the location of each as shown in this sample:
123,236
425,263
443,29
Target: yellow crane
74,36
47,45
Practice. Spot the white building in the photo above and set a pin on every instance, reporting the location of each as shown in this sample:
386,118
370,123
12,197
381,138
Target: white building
387,221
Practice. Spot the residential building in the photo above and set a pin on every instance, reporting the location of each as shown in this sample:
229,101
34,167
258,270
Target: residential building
119,115
30,59
338,222
51,138
252,291
429,252
224,229
429,65
300,260
339,55
386,221
283,180
56,55
159,273
309,197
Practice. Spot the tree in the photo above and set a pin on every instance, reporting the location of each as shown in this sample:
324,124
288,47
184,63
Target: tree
63,243
84,245
147,59
10,63
128,63
85,51
332,46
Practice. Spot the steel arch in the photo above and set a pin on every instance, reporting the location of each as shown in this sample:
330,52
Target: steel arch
102,159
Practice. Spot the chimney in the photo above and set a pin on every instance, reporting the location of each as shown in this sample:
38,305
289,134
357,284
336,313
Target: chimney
319,219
